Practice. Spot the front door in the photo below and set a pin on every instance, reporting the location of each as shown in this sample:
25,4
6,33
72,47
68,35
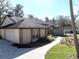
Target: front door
35,35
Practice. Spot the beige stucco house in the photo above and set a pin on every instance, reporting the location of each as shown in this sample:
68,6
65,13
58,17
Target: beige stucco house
22,30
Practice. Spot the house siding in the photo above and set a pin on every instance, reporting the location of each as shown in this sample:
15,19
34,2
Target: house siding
2,33
12,35
26,36
46,32
23,36
35,35
42,33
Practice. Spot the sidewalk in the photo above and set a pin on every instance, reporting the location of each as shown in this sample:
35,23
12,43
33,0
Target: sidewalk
40,52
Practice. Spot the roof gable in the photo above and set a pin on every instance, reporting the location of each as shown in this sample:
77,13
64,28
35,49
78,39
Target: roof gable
6,21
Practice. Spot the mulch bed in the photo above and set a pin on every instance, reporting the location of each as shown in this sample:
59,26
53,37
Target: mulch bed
31,45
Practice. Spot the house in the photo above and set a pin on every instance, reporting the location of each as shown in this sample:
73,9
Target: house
68,29
77,24
22,30
56,30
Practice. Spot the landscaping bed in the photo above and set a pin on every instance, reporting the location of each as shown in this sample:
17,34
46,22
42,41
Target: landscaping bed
36,44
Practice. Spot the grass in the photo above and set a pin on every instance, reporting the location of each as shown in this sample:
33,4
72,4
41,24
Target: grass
61,51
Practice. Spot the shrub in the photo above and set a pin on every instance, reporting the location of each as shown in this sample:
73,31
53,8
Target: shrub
50,37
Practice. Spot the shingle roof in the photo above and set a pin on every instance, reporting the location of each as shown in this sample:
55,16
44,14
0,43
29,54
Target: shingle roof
26,23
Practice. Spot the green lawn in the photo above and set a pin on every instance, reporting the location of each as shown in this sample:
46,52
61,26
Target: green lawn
61,51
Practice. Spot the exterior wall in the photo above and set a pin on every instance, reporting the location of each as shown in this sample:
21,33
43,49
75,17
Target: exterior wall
58,32
67,29
2,33
26,36
46,32
42,33
35,35
12,35
23,36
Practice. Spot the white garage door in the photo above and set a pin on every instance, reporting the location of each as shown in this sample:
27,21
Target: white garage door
12,35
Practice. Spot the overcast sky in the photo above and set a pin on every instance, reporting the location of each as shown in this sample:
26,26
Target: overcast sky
43,8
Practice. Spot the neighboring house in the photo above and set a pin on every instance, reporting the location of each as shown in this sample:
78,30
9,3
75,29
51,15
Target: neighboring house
22,30
77,27
77,24
68,29
56,30
53,28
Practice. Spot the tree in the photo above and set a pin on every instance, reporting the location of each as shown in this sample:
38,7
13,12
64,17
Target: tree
63,20
67,21
31,16
36,18
46,19
74,28
4,7
60,20
54,21
10,13
18,10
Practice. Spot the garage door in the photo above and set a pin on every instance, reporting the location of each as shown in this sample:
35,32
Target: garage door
12,35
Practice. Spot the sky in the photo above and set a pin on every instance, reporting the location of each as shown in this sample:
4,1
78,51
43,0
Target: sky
46,8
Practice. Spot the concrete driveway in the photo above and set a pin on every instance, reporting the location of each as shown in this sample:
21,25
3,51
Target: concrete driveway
9,52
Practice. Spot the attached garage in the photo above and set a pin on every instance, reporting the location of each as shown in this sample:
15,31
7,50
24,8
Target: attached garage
23,31
23,36
11,35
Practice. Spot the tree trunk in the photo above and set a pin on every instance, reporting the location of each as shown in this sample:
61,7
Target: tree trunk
74,28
